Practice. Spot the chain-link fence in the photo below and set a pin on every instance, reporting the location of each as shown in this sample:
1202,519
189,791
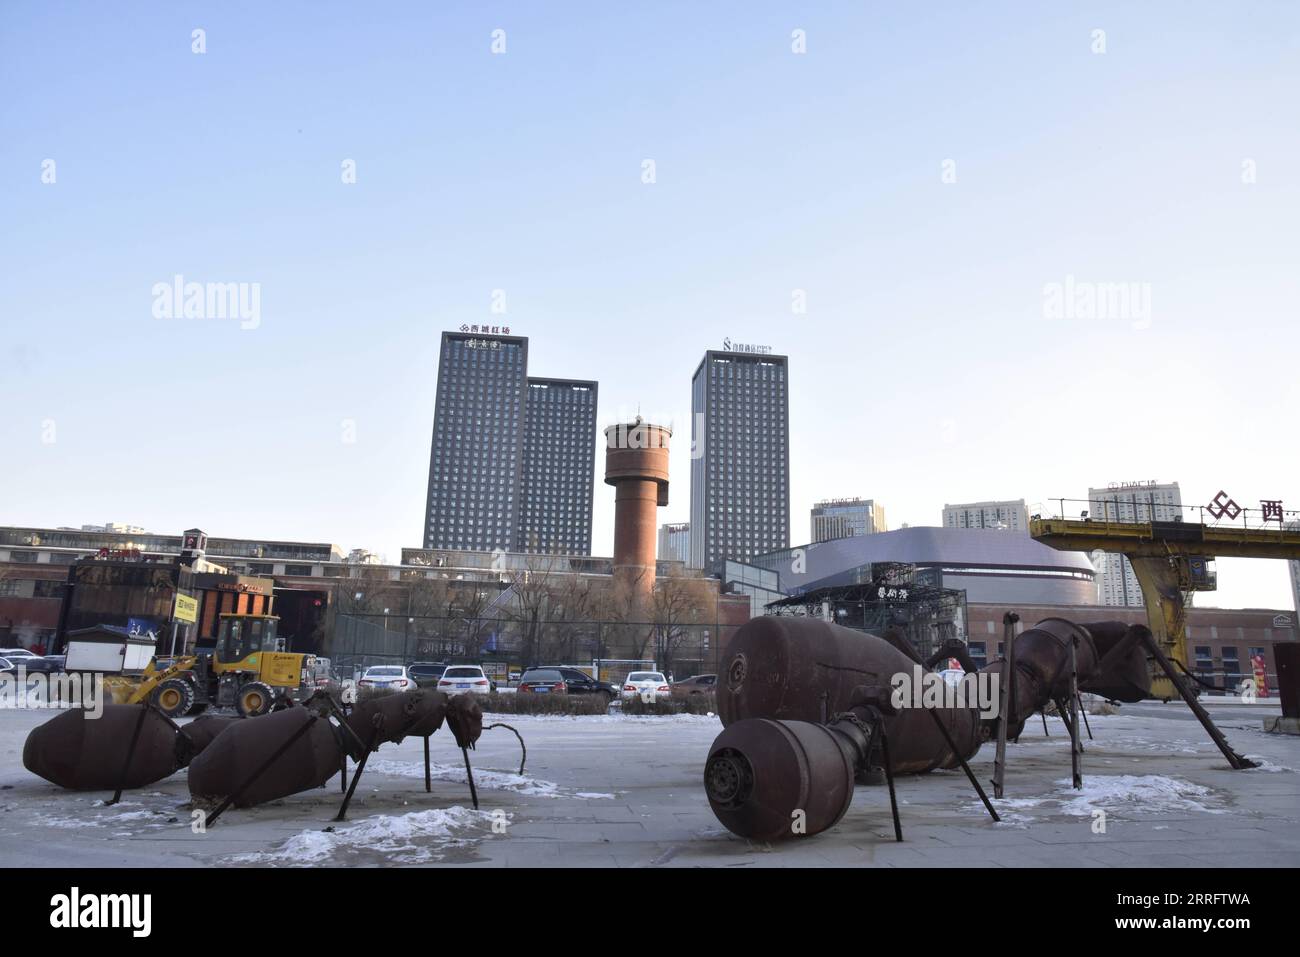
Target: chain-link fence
506,645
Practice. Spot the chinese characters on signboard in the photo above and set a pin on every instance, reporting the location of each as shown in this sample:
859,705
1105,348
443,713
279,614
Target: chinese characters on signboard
1222,506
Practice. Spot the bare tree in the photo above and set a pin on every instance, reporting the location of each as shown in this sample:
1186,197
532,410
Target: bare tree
531,588
574,604
677,604
368,591
627,609
472,601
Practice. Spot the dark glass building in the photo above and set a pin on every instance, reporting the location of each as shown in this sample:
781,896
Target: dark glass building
559,464
740,466
513,458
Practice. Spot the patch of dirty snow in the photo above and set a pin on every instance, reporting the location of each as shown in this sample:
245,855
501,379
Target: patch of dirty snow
414,838
1266,765
110,815
484,778
1138,794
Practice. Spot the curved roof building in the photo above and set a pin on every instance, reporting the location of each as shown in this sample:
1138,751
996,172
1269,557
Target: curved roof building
991,566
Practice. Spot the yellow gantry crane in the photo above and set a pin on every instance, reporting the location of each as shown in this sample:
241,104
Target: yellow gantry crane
1169,559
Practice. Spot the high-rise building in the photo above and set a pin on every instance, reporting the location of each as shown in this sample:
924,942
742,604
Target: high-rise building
675,542
740,460
558,467
511,465
1008,516
844,517
1129,502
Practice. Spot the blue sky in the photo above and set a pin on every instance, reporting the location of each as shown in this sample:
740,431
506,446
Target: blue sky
924,370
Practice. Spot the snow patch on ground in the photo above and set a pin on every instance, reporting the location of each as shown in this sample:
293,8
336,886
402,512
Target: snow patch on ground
1137,794
103,814
484,779
1266,765
415,838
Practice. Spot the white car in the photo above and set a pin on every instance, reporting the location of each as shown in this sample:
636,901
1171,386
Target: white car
642,681
389,677
464,679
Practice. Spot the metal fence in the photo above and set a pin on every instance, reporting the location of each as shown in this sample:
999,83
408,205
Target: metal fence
503,645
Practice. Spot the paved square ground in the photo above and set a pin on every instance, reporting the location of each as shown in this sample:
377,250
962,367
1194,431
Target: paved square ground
618,791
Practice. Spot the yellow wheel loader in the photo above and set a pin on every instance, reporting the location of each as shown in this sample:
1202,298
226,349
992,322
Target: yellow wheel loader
247,670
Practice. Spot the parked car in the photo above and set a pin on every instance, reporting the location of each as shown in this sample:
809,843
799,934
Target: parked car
14,653
7,666
577,681
427,673
392,677
464,679
47,665
700,684
639,681
542,681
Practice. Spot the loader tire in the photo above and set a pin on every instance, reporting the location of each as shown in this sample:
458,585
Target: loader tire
254,698
174,697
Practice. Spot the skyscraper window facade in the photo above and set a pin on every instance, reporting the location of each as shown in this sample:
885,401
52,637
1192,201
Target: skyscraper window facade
1004,516
559,452
846,517
740,466
1129,502
502,475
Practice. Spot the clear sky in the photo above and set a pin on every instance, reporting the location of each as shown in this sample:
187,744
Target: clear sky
926,368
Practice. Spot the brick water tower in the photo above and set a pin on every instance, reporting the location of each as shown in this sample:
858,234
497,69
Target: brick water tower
636,464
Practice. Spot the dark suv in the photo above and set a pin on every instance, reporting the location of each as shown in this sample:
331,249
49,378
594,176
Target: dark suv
579,682
426,673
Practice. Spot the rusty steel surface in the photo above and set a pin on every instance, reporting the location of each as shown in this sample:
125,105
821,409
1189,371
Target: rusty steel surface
245,746
260,759
201,732
465,719
770,780
801,669
1125,676
398,715
790,699
314,756
89,754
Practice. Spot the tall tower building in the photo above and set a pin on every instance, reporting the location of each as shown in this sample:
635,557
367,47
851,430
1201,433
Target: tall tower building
845,517
740,465
636,464
558,467
1129,502
513,458
675,542
1008,516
